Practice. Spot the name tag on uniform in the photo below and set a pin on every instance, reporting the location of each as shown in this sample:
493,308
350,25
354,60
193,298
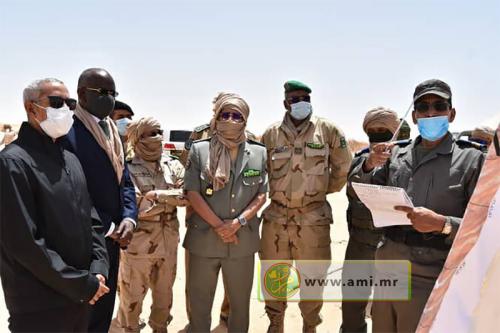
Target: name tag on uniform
313,145
251,173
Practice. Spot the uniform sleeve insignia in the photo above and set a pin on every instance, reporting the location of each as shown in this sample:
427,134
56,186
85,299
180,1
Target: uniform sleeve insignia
251,173
313,145
343,142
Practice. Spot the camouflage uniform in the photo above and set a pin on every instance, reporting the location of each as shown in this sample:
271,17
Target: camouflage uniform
303,169
203,132
150,260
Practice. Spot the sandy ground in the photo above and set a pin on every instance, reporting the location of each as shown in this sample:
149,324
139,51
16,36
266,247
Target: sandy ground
331,311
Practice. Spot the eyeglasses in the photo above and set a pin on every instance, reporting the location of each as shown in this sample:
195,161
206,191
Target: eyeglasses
296,99
236,116
104,92
58,102
440,106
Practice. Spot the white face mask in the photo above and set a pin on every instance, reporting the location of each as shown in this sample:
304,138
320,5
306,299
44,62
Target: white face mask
122,125
58,122
300,110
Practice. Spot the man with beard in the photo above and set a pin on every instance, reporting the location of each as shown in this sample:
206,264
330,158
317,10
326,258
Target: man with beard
96,142
150,260
308,158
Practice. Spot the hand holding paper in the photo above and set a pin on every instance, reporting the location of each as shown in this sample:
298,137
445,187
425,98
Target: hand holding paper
381,201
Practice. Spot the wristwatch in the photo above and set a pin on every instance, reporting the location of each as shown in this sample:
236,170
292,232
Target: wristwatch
447,227
242,220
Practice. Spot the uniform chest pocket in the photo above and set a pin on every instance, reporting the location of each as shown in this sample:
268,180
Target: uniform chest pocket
316,157
280,163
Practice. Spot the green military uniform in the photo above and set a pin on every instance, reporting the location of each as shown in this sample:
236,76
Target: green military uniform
442,180
150,260
207,252
303,169
203,132
363,241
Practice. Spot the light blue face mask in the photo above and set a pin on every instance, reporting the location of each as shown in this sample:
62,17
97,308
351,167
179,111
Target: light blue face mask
433,128
300,110
122,125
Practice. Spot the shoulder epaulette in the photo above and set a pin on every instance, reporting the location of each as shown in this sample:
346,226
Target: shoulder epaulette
362,151
256,142
201,128
471,144
201,140
402,143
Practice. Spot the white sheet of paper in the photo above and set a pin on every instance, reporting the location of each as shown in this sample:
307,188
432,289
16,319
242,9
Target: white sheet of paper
381,200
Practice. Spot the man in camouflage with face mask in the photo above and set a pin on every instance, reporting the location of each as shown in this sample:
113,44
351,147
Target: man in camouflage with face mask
308,158
150,260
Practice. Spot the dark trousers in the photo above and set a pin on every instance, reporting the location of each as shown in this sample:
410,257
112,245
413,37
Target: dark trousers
66,319
101,313
354,312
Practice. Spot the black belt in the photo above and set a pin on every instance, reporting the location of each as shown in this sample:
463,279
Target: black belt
418,239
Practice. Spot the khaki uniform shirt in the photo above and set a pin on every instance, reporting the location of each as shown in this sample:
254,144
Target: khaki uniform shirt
149,237
303,170
248,177
443,181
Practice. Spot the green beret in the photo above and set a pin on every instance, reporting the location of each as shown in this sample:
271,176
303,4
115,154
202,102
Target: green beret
294,85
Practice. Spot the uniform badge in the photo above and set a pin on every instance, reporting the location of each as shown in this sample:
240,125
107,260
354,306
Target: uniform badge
251,173
343,143
297,150
314,145
209,191
280,149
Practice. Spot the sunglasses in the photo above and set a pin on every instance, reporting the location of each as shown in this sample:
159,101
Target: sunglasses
154,133
296,99
440,106
236,116
104,92
58,102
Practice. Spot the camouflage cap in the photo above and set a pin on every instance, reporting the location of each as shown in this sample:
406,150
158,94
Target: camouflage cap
433,87
294,85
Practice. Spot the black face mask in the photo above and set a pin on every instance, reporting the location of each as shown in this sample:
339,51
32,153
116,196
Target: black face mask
100,105
380,137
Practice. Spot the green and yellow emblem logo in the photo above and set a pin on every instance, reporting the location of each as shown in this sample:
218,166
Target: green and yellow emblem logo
282,281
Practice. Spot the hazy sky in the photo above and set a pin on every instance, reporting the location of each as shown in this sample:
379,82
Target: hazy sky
170,58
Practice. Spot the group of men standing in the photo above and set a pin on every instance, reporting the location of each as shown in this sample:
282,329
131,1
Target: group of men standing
83,180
